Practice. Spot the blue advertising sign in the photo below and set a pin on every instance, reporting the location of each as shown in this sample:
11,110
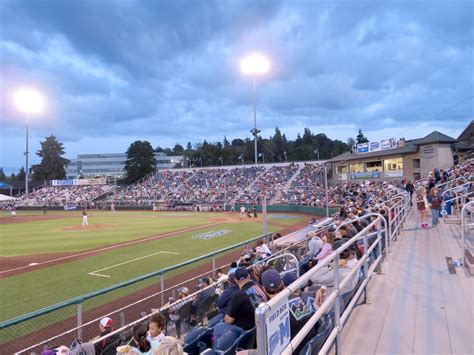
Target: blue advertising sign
366,175
374,146
363,148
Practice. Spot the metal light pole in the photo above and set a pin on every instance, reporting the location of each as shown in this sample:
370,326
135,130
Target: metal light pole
326,188
253,65
255,119
26,153
28,101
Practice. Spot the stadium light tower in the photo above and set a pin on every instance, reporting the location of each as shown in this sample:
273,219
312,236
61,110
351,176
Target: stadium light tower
255,64
28,101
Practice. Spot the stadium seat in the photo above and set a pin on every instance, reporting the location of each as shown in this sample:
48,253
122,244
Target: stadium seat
205,308
197,340
325,326
245,341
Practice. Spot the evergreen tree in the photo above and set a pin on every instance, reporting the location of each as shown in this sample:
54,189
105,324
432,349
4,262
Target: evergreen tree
361,138
21,174
140,161
189,147
53,165
2,175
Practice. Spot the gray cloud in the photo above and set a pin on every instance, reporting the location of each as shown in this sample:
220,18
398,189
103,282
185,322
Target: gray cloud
169,69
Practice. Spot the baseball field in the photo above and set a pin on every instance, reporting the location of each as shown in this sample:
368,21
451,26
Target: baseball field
50,259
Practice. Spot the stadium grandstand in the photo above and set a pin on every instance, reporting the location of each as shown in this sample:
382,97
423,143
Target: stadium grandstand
371,265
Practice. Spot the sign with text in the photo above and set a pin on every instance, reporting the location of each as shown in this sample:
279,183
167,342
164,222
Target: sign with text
363,148
278,327
394,173
366,175
376,146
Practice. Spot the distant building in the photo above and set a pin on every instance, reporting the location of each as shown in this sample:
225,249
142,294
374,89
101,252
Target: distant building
112,165
411,158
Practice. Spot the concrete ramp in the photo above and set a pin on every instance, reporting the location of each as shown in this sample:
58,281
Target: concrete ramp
423,303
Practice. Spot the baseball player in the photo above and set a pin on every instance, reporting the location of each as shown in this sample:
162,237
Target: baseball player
85,221
112,207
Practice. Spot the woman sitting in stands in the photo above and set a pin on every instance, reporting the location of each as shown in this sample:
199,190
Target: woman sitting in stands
328,239
141,345
422,206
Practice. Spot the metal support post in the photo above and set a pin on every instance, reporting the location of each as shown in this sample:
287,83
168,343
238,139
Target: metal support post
214,266
366,267
264,214
337,304
79,321
162,287
122,319
326,189
379,235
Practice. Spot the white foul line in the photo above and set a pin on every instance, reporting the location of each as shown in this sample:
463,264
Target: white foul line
115,246
95,273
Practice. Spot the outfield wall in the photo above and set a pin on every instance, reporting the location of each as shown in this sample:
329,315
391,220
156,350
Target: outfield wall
319,211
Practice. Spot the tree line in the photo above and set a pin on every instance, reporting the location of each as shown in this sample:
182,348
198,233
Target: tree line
141,161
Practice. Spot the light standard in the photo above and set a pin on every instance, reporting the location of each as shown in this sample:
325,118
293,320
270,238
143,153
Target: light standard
316,151
29,102
255,64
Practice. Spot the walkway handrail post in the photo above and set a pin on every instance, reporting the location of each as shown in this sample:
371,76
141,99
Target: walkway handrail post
379,235
366,265
79,320
337,305
463,227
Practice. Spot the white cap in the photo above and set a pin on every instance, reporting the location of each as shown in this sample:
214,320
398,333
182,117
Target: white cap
106,322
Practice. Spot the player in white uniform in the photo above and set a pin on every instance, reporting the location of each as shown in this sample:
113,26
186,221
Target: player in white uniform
112,207
85,221
242,212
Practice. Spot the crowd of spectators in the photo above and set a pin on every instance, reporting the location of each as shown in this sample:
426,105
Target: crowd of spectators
270,184
307,188
224,307
63,195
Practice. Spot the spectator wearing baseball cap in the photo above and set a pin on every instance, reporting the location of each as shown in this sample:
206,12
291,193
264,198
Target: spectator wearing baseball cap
223,301
272,282
105,327
240,314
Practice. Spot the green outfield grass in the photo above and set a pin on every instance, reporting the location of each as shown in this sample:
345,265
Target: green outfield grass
43,287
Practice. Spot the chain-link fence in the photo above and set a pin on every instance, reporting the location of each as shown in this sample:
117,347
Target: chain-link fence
124,302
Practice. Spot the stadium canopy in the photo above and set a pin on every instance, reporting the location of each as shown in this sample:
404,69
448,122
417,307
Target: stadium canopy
6,198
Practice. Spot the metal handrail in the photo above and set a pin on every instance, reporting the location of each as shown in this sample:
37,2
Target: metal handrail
466,207
261,311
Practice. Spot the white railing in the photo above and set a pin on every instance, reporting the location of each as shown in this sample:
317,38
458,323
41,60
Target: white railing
468,207
277,306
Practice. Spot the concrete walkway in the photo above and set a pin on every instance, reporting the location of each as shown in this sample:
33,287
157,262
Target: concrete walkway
416,306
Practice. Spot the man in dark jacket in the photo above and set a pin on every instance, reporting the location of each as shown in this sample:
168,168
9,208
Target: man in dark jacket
104,346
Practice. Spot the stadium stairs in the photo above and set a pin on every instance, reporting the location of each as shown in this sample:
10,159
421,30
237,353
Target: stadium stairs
423,301
249,186
288,184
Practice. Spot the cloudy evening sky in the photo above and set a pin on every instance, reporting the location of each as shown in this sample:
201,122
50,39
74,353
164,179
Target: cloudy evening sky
168,71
